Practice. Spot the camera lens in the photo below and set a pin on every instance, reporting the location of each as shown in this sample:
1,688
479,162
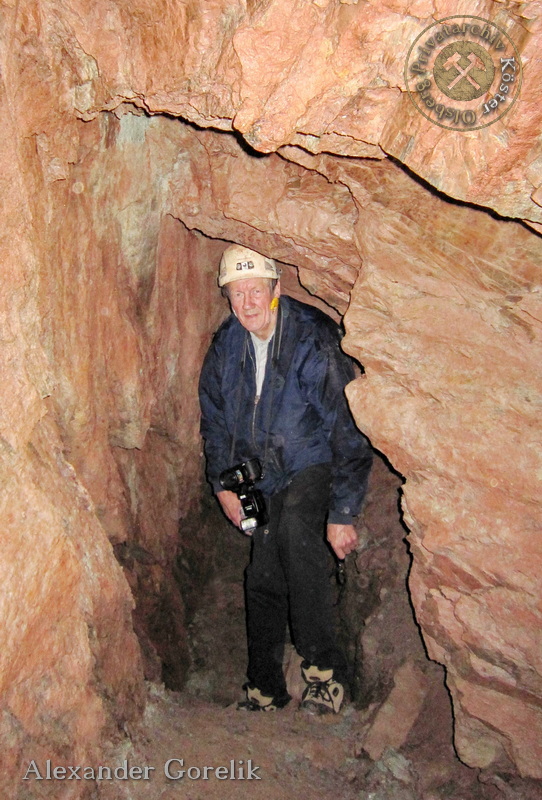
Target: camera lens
231,478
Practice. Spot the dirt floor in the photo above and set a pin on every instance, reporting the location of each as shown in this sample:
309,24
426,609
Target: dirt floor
284,755
291,753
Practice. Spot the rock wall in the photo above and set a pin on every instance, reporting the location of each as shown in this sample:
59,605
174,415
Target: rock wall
106,313
326,75
458,419
103,339
445,317
70,668
121,296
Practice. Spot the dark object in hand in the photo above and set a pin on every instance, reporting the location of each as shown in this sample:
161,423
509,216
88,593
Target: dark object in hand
241,479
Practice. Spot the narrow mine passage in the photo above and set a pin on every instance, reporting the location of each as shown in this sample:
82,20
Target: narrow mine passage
115,213
394,738
392,742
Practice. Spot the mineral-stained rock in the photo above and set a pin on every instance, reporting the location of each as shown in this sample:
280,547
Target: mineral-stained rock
70,669
450,308
328,76
398,714
108,303
270,204
104,339
442,290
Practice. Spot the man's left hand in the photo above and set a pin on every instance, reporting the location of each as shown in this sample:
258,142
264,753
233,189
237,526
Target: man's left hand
342,538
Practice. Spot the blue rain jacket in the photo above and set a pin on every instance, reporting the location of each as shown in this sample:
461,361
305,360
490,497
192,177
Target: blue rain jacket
302,417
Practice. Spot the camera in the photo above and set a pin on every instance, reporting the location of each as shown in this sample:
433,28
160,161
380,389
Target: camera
241,479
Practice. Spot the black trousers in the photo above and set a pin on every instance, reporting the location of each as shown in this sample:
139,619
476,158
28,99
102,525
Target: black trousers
289,579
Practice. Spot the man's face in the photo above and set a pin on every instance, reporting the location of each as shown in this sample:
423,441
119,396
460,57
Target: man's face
250,300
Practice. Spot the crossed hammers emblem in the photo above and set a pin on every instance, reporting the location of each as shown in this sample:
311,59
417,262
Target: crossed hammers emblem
475,62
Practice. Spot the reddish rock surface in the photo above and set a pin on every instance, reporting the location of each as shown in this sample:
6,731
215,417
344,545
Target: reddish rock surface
327,75
396,717
450,337
445,317
108,303
101,442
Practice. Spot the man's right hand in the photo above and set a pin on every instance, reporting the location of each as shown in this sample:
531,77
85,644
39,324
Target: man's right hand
232,508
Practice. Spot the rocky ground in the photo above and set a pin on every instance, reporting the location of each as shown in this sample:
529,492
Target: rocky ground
290,754
396,749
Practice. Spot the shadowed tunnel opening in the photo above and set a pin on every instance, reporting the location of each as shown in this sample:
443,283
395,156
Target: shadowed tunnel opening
189,614
200,606
191,624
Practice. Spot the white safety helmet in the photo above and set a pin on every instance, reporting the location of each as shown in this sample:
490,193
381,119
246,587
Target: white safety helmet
239,262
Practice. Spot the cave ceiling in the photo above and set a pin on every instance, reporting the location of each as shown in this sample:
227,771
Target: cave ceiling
326,76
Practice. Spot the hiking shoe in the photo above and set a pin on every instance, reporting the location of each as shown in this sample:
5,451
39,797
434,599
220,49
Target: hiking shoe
257,701
322,695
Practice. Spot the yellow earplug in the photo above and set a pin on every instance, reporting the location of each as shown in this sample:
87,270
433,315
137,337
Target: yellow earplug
274,303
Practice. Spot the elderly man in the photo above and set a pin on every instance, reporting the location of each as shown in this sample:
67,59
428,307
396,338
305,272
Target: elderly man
272,388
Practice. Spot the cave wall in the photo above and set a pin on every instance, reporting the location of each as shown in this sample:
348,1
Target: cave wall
102,347
100,355
445,317
70,669
121,295
326,75
459,298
